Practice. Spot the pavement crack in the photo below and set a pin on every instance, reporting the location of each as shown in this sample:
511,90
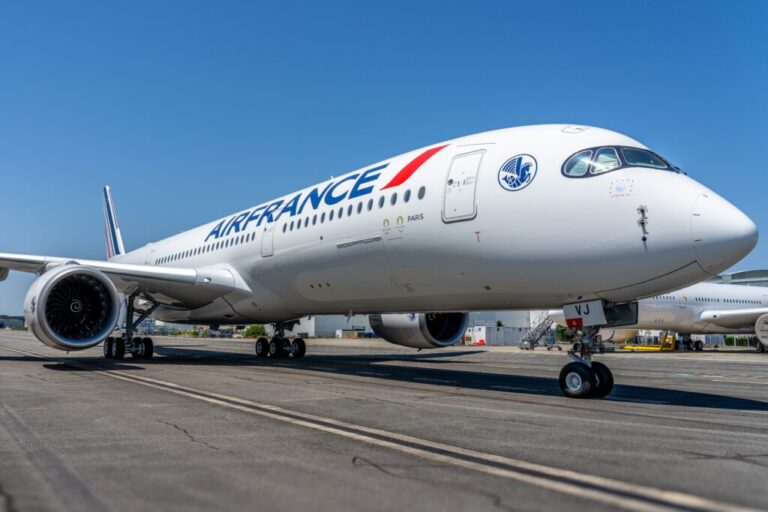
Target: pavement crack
189,436
496,500
737,457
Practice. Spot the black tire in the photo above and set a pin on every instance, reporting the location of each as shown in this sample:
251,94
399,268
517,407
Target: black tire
261,347
276,349
698,345
118,349
760,348
149,348
604,380
299,348
577,380
108,347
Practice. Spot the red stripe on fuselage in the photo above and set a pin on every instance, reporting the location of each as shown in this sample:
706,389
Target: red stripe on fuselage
412,167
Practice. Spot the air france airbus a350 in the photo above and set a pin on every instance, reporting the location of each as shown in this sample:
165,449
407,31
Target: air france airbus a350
549,216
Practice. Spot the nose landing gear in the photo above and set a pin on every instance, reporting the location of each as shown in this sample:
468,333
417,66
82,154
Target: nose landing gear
584,378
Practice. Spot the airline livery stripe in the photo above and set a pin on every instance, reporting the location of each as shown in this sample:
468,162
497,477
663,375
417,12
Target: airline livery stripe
110,250
111,222
412,167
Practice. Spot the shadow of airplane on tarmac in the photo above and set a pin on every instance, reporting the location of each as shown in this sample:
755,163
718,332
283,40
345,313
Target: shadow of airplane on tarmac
362,366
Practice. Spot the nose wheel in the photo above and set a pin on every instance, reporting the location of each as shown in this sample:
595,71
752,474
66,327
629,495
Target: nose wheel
584,378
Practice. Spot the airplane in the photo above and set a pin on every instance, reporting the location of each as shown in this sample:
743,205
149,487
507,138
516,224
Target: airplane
542,217
704,308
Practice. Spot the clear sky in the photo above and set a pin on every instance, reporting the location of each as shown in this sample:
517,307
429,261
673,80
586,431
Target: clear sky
191,110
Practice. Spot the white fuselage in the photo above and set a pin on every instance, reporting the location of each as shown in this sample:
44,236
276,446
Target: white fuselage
689,311
684,310
461,241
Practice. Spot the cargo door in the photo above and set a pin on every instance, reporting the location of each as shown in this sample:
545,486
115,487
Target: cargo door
459,201
268,240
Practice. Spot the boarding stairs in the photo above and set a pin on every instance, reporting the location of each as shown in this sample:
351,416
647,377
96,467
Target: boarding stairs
536,333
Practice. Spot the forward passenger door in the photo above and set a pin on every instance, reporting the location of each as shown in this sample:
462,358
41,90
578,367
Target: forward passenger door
459,200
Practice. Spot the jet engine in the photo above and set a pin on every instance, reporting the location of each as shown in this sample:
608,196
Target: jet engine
420,330
761,330
72,307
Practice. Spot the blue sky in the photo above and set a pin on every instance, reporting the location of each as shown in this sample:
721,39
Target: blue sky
191,110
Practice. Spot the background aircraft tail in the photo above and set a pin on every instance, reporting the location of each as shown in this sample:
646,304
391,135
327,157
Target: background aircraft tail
111,227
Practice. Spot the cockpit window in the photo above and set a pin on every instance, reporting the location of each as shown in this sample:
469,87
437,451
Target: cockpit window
578,164
642,158
594,161
606,159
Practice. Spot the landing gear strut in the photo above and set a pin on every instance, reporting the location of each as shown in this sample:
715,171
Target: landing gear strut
280,346
584,378
139,348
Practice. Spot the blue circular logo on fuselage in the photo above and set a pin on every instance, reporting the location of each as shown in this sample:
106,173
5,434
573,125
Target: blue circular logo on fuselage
517,172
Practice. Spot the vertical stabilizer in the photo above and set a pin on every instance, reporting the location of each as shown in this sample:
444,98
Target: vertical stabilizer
111,227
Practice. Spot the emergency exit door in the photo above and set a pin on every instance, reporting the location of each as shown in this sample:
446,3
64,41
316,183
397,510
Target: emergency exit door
459,202
268,240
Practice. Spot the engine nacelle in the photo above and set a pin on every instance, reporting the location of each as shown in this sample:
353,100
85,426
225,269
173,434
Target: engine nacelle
72,307
761,329
420,330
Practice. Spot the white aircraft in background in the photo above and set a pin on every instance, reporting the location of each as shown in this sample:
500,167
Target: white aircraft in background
530,217
704,308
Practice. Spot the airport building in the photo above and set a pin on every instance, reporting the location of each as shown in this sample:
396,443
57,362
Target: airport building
744,277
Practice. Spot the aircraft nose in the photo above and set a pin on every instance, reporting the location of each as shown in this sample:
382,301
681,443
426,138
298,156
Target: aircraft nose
722,234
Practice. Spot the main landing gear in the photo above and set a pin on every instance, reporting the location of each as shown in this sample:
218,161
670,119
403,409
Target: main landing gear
280,346
584,378
691,344
139,348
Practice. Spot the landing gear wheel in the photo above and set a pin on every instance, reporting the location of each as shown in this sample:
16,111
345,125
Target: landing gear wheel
698,345
116,349
577,380
276,348
299,348
108,347
261,347
760,348
604,380
149,348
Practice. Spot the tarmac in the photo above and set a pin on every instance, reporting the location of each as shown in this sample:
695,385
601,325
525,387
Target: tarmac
364,425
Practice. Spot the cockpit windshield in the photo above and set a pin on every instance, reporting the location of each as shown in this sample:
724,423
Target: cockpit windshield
642,158
593,161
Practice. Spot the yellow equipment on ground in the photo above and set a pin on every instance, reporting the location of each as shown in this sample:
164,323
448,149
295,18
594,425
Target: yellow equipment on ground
667,345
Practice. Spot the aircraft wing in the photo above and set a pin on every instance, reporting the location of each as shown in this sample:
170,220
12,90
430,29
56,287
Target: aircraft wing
734,318
172,286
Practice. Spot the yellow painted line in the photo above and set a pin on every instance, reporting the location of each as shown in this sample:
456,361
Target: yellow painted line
609,491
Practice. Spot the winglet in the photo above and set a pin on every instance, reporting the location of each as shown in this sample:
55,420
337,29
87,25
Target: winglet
111,227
